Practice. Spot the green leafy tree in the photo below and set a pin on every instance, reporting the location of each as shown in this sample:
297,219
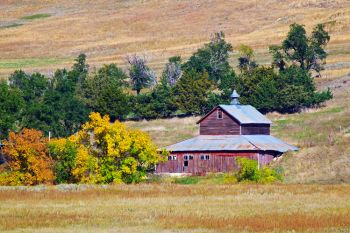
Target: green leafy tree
212,58
59,110
191,92
307,51
11,104
64,153
140,74
32,87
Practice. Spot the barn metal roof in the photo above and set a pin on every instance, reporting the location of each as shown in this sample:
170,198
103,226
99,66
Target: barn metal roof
232,143
245,114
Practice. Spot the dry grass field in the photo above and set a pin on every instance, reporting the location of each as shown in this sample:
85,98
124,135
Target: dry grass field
176,208
42,35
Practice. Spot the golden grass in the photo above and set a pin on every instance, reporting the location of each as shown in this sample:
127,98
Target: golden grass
109,30
177,208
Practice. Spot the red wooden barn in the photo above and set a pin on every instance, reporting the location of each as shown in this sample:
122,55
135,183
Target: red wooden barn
226,132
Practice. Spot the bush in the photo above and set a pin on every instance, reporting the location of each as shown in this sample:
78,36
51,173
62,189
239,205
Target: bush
250,172
230,178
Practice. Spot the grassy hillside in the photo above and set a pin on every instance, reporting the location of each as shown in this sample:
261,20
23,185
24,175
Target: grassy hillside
44,35
176,208
322,134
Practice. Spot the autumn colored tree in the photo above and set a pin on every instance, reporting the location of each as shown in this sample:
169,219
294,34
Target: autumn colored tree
27,159
122,154
104,153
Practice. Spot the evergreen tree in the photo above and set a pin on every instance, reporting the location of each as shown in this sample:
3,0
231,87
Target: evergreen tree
104,92
191,92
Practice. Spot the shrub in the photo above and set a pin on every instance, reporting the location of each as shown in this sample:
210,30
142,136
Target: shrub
250,172
230,178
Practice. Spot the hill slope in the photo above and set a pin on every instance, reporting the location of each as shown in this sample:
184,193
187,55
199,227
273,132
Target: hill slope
44,35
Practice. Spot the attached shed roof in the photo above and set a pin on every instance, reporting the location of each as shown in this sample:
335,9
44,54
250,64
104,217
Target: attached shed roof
245,114
231,143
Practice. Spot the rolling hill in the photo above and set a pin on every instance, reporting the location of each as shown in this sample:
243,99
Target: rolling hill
44,35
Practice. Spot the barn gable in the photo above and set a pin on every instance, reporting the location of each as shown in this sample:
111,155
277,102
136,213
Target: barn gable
234,119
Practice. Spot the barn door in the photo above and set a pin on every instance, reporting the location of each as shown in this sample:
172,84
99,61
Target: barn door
186,162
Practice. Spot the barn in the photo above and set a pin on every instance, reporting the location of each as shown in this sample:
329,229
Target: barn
225,133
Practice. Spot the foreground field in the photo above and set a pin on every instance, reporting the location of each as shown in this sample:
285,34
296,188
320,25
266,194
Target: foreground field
176,208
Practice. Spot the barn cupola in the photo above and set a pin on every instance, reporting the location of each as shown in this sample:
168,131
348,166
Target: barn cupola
234,98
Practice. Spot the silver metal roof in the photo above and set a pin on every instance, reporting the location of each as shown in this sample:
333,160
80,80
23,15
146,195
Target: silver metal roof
231,143
245,114
268,142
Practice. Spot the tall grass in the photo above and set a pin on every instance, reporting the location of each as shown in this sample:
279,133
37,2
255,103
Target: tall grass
176,208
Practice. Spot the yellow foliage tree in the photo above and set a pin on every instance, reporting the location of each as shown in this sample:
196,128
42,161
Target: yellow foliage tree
111,153
28,161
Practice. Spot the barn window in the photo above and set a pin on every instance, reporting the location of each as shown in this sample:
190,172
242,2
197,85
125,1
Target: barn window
205,157
172,157
188,157
219,114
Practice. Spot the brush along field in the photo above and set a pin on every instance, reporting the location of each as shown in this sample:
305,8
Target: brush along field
176,208
44,35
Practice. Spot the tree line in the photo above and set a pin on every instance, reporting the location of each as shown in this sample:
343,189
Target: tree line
62,103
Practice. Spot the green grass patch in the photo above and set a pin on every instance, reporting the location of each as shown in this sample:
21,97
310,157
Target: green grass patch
187,180
12,25
36,16
208,179
30,62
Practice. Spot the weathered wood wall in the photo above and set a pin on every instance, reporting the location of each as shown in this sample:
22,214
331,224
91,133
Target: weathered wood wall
218,162
251,129
213,126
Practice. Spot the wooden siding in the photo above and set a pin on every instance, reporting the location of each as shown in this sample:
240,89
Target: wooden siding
213,126
251,129
218,162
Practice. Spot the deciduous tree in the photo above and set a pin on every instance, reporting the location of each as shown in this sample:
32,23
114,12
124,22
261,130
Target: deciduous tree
141,75
27,158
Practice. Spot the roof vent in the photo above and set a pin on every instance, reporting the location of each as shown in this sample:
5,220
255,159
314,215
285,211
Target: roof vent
234,98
